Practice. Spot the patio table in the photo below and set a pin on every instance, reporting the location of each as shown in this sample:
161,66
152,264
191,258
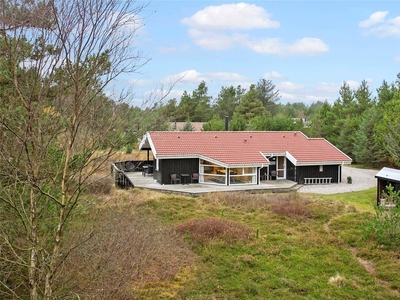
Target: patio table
185,178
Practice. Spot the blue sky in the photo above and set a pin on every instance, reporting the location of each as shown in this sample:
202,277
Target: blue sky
307,48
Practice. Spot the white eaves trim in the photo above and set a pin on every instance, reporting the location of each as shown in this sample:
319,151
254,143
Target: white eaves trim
147,140
291,158
325,163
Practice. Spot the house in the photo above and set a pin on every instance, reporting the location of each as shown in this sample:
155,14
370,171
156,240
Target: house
243,157
179,126
386,177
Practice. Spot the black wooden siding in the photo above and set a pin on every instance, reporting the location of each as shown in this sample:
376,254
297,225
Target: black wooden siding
177,166
290,171
331,171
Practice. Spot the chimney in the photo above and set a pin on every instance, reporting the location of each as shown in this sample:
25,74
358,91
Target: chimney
226,123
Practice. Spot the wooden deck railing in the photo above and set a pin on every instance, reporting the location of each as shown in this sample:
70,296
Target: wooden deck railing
121,180
324,180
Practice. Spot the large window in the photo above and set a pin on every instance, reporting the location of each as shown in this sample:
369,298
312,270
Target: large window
243,175
213,173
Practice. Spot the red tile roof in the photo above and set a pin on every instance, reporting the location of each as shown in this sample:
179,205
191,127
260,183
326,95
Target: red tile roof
245,147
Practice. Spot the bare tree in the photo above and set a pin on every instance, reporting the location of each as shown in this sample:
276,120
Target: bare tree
56,124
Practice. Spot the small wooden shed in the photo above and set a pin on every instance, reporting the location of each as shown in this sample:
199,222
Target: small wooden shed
385,177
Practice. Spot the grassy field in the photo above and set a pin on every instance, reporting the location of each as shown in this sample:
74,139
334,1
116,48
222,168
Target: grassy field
269,246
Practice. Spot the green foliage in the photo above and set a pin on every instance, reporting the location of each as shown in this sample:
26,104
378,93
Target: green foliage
215,124
238,123
365,149
228,99
268,95
384,228
250,106
129,149
188,126
260,123
303,244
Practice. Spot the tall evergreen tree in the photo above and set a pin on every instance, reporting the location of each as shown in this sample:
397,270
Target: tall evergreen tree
365,149
250,106
268,95
228,99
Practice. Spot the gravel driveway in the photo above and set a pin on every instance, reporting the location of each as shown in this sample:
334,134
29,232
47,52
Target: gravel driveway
363,179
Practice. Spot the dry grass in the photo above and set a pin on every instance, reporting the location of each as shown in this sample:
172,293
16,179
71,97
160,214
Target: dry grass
119,249
202,231
337,280
249,200
293,208
100,186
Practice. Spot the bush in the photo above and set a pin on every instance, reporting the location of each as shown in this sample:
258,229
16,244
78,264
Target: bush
201,232
124,251
384,228
101,186
249,200
129,149
296,208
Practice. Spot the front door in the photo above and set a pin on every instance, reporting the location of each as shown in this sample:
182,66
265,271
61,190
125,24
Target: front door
280,167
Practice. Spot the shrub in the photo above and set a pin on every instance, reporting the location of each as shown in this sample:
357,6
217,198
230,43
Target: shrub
124,250
101,186
384,228
297,208
129,149
248,200
200,232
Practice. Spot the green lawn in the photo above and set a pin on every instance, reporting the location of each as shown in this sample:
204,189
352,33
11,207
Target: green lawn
301,247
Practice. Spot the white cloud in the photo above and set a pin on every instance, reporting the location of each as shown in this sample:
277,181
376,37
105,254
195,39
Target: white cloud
288,97
353,84
215,40
375,18
290,86
274,75
304,46
328,87
397,58
315,98
240,16
193,77
377,24
221,27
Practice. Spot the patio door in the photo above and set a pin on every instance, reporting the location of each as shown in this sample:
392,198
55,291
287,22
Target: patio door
280,167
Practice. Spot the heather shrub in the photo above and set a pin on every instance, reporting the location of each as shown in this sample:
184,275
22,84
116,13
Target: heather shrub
202,231
293,208
120,252
250,201
100,186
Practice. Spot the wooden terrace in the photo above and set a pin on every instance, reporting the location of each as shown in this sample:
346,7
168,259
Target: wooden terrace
197,189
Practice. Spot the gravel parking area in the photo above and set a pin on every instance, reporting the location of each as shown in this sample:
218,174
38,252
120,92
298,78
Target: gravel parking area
363,179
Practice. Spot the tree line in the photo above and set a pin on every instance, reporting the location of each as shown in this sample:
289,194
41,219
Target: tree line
359,122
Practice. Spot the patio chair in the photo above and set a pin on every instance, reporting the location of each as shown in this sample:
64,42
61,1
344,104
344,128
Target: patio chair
272,174
195,176
175,178
129,167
